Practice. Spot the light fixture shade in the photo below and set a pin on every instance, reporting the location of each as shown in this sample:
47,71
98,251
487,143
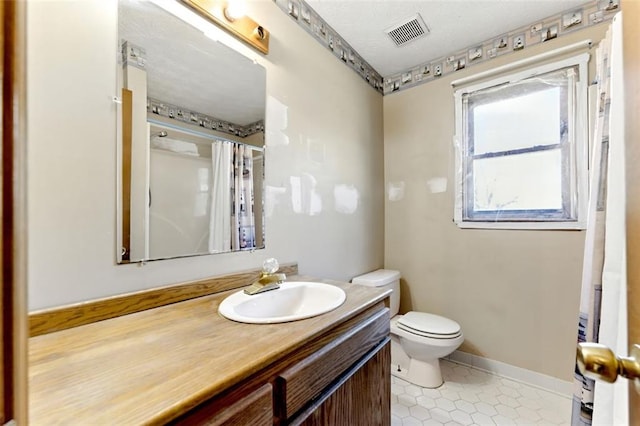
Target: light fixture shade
235,9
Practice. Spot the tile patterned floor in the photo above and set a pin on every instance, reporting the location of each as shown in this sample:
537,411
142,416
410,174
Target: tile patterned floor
474,397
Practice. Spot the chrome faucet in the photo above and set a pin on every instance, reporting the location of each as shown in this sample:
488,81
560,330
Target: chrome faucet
269,279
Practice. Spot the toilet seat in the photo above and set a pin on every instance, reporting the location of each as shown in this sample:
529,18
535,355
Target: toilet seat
429,325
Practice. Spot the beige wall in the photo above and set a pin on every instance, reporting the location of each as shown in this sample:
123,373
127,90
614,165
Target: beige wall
514,293
334,132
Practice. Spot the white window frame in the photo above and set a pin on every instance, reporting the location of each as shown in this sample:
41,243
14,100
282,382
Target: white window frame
578,149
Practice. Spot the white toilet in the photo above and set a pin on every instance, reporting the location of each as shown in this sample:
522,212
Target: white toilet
418,339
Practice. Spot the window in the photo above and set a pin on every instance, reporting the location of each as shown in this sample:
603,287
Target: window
522,149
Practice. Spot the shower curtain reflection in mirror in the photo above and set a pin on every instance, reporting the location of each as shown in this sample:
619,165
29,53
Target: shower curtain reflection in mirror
232,221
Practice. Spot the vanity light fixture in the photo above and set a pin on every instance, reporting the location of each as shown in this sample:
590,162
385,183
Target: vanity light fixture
229,15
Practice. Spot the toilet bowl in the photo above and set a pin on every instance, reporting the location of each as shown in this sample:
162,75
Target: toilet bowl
418,339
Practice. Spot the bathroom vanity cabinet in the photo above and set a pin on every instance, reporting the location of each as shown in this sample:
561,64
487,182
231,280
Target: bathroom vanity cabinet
184,364
342,377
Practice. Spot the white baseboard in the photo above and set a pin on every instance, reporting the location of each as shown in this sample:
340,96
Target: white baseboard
548,383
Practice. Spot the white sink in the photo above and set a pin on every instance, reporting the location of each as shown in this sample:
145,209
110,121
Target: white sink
294,300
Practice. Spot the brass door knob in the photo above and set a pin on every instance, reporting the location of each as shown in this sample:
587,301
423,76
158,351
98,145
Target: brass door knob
598,362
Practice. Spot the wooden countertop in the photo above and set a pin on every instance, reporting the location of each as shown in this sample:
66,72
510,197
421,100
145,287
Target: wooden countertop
150,366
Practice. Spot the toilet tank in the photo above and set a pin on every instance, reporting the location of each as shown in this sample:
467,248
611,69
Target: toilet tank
385,278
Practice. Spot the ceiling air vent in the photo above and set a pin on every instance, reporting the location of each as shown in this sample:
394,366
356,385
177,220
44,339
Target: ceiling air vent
409,30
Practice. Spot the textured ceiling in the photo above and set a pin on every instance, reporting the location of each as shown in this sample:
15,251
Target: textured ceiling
454,25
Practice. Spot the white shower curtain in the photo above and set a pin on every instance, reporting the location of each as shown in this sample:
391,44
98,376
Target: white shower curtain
232,221
603,299
611,400
220,216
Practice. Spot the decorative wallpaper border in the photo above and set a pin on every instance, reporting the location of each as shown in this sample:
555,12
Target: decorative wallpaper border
187,116
521,38
322,32
133,55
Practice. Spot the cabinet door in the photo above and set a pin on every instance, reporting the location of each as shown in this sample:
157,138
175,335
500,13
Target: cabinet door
237,408
308,379
361,398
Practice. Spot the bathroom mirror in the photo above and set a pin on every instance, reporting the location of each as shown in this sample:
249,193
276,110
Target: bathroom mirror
191,151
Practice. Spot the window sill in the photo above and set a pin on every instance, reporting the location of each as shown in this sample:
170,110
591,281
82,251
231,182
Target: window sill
556,226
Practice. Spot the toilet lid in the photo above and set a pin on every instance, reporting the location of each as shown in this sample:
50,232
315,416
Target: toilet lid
429,325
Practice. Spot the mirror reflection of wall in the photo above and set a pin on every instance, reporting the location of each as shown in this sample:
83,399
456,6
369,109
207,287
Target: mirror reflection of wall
192,140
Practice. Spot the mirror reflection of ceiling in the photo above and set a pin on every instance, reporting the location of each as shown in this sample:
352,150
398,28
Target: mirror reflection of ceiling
188,69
